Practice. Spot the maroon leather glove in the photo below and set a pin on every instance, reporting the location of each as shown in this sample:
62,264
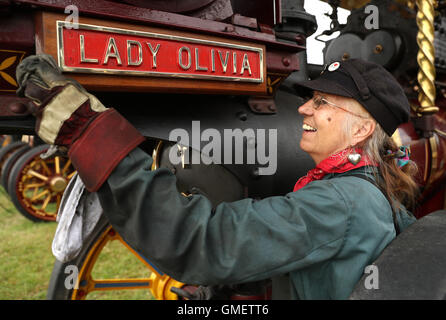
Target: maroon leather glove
97,138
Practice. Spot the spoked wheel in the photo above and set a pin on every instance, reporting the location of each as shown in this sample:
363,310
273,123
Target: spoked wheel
9,163
36,186
7,150
88,285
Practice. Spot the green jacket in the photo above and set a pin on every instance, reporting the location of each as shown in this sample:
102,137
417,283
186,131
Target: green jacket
323,235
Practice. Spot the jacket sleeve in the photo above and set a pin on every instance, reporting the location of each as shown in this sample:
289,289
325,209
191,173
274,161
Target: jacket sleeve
236,242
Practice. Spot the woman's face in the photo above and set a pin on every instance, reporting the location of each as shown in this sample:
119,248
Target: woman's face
323,133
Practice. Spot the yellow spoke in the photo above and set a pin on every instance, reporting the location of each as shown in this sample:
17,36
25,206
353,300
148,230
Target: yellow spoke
120,284
67,165
45,203
35,192
140,257
45,167
71,175
34,185
37,175
40,195
59,197
57,164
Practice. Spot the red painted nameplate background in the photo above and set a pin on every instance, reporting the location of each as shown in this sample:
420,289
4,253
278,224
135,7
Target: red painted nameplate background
99,49
168,76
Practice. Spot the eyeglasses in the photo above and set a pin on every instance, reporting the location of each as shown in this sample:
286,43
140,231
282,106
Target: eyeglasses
319,100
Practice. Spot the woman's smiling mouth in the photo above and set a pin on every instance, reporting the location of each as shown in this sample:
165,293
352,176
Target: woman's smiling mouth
307,128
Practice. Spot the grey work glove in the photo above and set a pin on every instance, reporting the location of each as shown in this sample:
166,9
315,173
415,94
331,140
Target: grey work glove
62,107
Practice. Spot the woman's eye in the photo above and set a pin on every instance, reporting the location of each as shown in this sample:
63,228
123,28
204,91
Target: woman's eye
318,101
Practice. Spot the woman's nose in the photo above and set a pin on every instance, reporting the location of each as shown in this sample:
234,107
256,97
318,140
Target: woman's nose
307,108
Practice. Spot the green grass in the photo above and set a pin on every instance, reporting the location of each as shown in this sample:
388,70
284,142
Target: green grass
26,260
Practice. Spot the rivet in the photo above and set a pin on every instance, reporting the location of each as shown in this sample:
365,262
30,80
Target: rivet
286,62
17,107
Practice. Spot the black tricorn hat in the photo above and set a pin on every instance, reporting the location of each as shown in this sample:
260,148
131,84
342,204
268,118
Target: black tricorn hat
368,83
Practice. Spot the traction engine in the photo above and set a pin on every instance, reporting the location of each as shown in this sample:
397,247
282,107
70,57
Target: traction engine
220,66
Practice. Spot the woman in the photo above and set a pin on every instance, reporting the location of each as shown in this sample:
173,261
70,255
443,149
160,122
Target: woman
337,221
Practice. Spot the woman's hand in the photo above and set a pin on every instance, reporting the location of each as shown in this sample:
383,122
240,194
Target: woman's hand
63,108
97,138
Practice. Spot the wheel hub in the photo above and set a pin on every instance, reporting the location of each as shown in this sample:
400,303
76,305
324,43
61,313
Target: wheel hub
58,184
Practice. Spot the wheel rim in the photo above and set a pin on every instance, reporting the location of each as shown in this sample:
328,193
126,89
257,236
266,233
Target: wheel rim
12,148
158,283
41,184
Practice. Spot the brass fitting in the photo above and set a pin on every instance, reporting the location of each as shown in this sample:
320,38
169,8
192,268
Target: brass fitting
426,56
